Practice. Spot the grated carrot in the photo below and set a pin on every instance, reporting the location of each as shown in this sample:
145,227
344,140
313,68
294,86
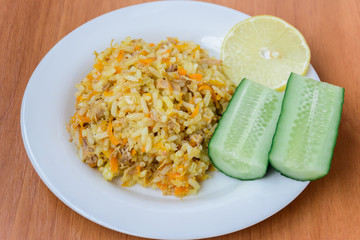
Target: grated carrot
79,98
167,51
161,186
181,47
80,135
148,94
204,86
143,149
146,61
192,100
151,44
196,111
124,141
99,66
118,69
89,85
133,152
112,138
192,143
89,76
196,76
180,191
107,94
144,53
137,48
84,118
114,165
159,146
94,164
182,71
92,94
175,175
138,169
120,55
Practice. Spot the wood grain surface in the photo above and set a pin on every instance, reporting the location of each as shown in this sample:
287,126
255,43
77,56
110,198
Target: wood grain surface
329,208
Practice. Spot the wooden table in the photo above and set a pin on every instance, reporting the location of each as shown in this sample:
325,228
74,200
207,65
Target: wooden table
329,208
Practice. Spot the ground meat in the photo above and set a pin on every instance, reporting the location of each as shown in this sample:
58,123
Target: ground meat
210,61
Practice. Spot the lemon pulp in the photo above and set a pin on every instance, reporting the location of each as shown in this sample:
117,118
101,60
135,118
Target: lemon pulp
266,50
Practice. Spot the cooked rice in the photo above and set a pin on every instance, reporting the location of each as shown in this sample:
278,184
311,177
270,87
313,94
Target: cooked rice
146,113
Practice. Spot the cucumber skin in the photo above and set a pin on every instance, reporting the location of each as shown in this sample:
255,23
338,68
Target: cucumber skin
333,145
213,162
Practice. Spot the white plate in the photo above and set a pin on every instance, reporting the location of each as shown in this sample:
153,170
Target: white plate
222,206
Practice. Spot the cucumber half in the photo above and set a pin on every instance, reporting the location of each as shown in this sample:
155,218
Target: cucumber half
307,128
241,142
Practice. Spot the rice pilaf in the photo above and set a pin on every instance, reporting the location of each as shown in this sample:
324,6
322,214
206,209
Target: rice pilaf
146,113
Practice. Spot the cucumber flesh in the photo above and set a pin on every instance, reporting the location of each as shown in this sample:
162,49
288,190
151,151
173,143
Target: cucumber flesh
241,142
306,132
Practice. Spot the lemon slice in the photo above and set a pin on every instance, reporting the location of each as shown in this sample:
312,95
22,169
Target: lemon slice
265,49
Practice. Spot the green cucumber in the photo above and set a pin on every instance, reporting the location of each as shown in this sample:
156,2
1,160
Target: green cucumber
307,129
241,142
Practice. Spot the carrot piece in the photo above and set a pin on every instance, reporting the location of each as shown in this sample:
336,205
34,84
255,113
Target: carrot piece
89,85
146,61
108,152
112,138
89,76
120,55
171,87
204,86
161,186
182,71
174,175
180,191
195,76
192,100
124,141
181,47
151,44
167,51
192,143
144,52
118,69
114,165
196,111
148,94
92,94
99,66
138,169
94,164
107,94
80,135
133,152
84,118
160,146
137,48
79,98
